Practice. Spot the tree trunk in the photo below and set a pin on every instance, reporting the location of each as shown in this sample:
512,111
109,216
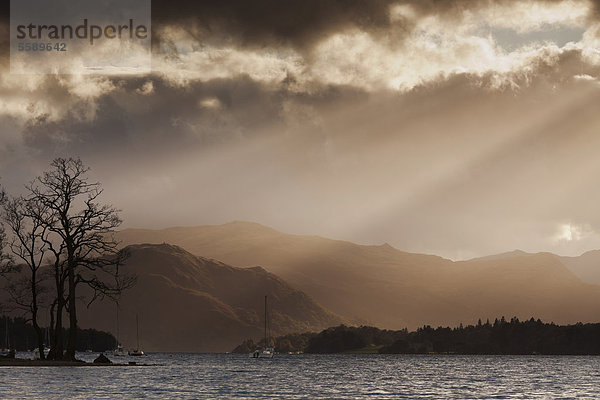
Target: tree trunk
56,320
34,315
59,330
52,327
56,349
38,330
72,343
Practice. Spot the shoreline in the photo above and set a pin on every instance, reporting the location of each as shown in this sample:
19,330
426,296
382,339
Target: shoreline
23,362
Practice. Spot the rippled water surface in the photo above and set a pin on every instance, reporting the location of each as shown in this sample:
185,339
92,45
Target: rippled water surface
209,376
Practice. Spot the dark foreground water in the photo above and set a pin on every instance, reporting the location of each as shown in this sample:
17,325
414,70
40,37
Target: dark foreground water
210,376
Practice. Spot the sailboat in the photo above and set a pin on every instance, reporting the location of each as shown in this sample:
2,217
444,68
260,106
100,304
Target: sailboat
137,352
119,351
267,351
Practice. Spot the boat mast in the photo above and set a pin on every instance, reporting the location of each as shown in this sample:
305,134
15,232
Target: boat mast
266,345
137,331
117,346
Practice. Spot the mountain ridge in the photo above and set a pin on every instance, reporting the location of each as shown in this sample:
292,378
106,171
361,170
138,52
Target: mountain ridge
386,287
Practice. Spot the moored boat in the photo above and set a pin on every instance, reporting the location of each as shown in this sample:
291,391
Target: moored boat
118,351
266,351
137,352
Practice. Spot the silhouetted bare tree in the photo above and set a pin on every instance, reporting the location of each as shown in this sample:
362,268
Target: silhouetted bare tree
61,228
28,236
60,224
84,228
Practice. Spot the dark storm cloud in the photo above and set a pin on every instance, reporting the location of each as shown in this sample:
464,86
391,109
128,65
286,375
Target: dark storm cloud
273,22
171,118
128,119
174,116
300,24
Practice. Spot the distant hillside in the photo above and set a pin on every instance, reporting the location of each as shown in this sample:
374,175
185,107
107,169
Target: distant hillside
189,303
382,286
586,266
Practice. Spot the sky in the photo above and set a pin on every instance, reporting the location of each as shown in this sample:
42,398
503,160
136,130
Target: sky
459,128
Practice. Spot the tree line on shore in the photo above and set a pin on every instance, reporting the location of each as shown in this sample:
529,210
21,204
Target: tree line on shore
500,337
57,252
18,334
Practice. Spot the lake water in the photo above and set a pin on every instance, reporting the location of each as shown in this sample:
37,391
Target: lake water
210,376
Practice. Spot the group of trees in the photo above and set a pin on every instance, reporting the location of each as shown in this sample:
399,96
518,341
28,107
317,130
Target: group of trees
22,336
54,239
500,337
344,338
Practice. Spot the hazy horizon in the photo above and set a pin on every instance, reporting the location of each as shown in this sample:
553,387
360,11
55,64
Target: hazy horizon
456,128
